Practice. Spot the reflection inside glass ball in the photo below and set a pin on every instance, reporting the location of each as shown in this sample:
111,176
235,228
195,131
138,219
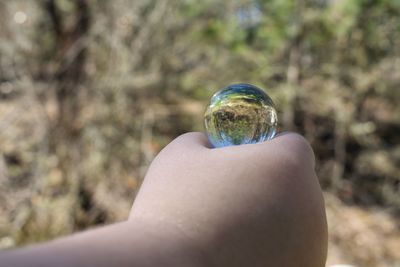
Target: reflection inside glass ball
240,114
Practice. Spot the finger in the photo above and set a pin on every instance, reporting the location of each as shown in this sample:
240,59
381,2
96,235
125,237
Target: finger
191,140
294,143
287,145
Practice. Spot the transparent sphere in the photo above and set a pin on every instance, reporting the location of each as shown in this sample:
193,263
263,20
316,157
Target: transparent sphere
240,114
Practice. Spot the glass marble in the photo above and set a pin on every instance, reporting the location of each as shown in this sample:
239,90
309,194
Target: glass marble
240,114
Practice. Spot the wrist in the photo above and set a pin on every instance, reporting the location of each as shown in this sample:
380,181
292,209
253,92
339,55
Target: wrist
166,243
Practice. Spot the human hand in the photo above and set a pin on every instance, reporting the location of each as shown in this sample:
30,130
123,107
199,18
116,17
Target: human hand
249,205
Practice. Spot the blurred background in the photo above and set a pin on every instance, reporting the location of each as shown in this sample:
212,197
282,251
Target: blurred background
91,90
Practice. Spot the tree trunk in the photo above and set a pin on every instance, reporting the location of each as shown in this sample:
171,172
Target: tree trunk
69,92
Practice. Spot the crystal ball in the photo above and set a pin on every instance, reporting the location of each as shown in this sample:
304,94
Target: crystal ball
240,114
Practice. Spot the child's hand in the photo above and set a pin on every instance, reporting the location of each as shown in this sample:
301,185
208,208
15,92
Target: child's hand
248,205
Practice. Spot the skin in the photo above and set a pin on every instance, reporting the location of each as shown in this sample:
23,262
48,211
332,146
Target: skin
249,205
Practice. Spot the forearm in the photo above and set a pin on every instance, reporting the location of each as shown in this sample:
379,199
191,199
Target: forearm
123,244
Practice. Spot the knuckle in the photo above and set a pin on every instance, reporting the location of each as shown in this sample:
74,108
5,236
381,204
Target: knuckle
186,137
299,152
298,141
182,146
179,141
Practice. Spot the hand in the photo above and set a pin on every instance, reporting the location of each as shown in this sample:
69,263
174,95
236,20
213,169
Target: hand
249,205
